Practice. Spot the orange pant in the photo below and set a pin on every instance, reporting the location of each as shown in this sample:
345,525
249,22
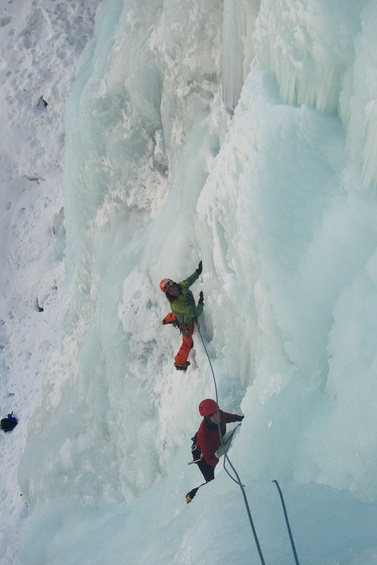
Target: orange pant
187,342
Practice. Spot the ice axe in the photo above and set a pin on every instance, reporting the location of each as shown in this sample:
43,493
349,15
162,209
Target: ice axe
195,460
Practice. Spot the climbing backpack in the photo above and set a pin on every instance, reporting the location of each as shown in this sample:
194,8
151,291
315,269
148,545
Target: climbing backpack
9,423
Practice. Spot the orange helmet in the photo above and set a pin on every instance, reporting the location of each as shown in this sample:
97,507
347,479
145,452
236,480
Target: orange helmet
165,284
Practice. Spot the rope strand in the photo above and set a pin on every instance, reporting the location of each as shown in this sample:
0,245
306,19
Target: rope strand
287,522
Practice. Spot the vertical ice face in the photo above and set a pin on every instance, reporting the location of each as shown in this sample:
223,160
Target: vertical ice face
156,179
236,47
359,100
322,55
186,44
308,47
142,139
136,119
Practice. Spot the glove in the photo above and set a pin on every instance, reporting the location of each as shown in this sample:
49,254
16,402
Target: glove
199,268
239,418
201,298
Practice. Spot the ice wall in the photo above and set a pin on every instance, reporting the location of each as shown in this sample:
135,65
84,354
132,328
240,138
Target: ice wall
360,98
322,55
236,47
276,202
309,48
140,104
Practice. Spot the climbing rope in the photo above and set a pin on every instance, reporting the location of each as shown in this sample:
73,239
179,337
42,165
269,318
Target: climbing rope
226,458
287,522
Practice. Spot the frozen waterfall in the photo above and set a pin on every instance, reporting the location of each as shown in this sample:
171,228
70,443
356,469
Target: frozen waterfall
278,200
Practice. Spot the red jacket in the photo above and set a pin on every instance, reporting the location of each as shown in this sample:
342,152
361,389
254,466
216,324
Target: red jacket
208,440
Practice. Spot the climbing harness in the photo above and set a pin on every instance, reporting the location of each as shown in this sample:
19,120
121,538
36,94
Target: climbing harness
226,458
287,522
227,443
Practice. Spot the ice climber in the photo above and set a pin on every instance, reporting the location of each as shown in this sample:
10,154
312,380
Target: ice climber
184,313
207,439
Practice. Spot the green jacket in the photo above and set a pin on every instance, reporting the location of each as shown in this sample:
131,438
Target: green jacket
184,306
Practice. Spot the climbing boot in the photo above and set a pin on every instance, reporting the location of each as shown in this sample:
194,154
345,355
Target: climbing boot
182,366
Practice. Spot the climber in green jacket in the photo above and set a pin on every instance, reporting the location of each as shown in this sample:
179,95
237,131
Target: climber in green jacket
184,313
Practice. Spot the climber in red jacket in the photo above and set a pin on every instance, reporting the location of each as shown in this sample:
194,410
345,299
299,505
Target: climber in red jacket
207,439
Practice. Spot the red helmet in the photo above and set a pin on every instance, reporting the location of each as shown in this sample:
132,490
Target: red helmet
165,284
207,407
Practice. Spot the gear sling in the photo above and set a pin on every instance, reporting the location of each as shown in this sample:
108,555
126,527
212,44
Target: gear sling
207,471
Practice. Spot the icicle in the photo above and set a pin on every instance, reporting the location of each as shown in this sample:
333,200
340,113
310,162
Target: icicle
238,24
370,148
